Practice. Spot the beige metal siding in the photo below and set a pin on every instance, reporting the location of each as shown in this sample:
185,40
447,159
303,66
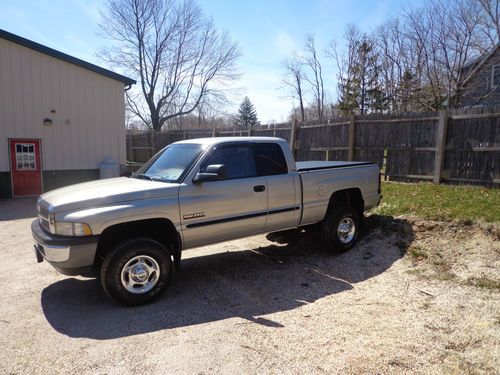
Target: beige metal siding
89,119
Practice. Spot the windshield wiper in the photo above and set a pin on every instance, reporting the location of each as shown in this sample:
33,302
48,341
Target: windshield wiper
142,176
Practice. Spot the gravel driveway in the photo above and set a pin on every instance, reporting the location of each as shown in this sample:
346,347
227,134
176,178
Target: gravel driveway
412,297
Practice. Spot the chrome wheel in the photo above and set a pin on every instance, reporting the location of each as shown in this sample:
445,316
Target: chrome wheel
346,230
140,274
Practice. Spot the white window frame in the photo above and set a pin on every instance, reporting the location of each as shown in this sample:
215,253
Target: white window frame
24,157
494,67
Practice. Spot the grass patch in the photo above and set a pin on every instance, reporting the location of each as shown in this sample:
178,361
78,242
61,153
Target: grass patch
483,282
440,202
431,260
418,253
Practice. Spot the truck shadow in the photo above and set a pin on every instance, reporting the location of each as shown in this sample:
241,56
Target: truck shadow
285,275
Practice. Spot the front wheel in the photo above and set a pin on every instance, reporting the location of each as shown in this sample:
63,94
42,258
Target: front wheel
340,229
136,271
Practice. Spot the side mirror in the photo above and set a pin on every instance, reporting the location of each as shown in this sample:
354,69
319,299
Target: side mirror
213,172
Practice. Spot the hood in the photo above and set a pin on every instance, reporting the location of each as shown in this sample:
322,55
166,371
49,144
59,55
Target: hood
107,192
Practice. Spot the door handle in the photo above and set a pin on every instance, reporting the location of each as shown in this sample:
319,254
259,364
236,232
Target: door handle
259,188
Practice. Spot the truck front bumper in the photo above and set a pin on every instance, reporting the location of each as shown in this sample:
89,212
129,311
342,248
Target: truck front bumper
68,255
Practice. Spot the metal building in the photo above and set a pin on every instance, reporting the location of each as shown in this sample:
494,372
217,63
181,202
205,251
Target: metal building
60,117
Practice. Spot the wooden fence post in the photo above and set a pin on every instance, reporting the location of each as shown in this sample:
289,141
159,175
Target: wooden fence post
214,132
293,136
352,137
440,146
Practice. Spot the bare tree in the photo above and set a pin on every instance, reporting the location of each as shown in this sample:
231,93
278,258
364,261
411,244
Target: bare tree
174,50
490,20
311,59
400,66
449,35
346,61
206,116
422,59
295,81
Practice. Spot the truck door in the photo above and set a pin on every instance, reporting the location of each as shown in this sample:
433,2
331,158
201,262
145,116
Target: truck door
220,210
283,187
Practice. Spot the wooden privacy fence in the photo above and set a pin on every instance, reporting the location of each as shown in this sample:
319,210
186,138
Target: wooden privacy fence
140,146
457,146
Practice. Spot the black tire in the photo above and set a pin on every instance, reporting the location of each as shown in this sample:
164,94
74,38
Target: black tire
332,239
151,253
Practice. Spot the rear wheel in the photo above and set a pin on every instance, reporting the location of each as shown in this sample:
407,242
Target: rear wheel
340,228
136,271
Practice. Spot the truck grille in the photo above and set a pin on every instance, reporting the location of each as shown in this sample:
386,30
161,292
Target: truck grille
43,214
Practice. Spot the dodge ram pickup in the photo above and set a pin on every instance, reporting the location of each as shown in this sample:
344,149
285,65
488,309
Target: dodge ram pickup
130,231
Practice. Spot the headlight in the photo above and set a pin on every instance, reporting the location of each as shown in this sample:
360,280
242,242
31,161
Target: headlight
72,229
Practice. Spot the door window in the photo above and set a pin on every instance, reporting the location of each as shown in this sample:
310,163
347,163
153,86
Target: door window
238,159
25,156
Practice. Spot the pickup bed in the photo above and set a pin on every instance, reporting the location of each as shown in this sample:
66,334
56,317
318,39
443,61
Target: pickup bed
132,231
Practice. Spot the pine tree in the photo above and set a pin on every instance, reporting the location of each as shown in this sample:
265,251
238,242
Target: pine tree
360,88
247,115
349,95
407,91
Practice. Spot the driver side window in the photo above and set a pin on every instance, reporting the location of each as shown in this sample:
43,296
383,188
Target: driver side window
239,161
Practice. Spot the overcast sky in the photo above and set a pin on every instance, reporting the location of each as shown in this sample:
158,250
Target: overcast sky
267,32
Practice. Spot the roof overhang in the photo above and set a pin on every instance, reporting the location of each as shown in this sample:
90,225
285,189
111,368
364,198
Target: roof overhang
479,63
65,57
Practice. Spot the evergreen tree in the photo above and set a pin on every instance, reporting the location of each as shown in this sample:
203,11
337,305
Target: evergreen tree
349,95
360,87
406,92
247,115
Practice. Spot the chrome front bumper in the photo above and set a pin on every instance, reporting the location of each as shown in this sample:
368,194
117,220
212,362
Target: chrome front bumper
52,253
68,255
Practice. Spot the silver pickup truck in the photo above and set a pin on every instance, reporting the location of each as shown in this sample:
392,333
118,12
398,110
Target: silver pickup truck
131,231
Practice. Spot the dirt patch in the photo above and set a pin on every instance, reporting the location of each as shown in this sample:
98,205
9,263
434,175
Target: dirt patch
462,251
413,296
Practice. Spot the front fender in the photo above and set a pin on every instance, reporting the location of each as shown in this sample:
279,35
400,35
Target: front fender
100,218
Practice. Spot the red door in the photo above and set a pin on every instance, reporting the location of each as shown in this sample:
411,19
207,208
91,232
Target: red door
25,167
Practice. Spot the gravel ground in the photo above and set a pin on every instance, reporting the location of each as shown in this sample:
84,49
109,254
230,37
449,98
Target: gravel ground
412,297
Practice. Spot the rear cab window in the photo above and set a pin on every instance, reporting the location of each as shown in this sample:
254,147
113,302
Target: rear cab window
269,159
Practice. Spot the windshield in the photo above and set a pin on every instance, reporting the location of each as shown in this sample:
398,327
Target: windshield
171,164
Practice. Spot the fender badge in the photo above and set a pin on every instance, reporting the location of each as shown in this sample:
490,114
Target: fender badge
193,216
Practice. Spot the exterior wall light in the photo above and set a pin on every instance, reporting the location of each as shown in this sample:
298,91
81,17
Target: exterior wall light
47,122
